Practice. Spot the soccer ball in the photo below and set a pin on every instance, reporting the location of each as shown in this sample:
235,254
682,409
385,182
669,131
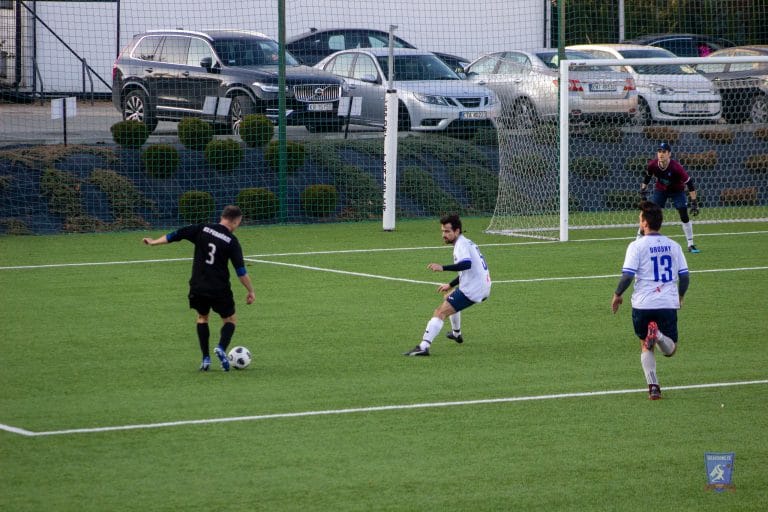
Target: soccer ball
239,358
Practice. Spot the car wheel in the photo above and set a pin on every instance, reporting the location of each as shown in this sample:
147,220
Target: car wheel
241,107
524,114
136,108
403,118
758,110
643,116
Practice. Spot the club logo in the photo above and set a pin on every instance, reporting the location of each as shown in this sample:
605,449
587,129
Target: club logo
719,468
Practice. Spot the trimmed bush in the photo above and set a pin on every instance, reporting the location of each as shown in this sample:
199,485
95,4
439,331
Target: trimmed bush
739,196
15,227
700,161
421,187
661,134
224,155
196,207
717,136
607,134
294,159
195,133
160,160
121,192
589,167
482,186
757,164
636,164
63,192
256,130
319,200
761,134
622,199
257,203
129,134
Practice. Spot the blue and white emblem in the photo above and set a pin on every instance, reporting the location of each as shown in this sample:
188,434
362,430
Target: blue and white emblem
719,471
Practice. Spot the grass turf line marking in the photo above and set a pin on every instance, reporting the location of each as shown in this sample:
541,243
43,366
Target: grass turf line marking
402,407
336,271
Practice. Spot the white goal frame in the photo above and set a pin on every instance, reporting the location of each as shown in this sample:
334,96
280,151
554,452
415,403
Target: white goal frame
564,107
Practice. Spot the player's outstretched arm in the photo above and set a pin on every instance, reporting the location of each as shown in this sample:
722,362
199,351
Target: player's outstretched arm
246,281
435,267
155,241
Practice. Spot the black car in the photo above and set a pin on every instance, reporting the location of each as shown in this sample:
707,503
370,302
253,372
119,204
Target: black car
742,85
313,46
219,76
684,45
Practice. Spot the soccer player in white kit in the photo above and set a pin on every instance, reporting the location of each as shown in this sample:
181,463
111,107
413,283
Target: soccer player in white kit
658,266
472,285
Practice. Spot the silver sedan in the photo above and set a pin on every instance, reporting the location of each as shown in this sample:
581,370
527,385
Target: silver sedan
527,83
432,97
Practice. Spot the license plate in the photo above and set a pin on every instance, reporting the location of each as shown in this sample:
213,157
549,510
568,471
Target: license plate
694,107
602,87
319,107
474,115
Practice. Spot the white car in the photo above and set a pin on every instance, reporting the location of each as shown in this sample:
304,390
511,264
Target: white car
666,92
527,85
432,97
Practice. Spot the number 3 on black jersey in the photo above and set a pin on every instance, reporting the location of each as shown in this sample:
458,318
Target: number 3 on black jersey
211,254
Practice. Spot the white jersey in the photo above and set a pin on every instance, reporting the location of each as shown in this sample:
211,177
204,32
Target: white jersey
475,282
656,262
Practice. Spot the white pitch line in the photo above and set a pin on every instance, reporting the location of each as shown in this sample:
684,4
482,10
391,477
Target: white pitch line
402,407
344,272
575,278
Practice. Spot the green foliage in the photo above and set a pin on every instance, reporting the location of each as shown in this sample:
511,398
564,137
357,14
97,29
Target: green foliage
534,163
662,134
15,227
636,164
129,134
718,136
363,194
195,133
124,197
84,224
256,130
418,185
546,133
196,207
605,134
589,167
319,200
482,186
704,161
160,160
757,164
257,203
224,155
294,156
622,199
63,192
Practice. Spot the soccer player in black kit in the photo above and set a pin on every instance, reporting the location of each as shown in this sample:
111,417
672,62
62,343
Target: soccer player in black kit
209,288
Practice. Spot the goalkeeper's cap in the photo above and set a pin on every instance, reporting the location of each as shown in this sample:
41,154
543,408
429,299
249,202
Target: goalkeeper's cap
664,146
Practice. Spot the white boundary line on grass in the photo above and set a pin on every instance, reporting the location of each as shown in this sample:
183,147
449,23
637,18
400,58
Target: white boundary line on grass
330,412
353,251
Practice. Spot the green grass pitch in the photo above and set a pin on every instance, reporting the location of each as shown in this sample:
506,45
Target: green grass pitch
103,407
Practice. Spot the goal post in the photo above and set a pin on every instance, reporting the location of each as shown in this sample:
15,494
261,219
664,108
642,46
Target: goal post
575,173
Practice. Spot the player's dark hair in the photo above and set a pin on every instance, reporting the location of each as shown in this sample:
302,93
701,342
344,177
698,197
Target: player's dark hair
453,220
231,212
652,214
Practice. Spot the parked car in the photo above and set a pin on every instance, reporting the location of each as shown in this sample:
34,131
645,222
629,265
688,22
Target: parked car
170,74
742,85
666,92
684,45
313,46
527,85
431,96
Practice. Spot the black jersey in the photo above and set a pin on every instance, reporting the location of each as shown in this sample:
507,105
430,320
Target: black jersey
215,247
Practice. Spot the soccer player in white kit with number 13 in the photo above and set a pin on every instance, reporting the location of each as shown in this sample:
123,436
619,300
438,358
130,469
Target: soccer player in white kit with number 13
472,285
658,266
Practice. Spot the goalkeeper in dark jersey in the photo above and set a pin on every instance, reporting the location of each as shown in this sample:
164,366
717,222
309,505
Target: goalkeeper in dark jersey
209,287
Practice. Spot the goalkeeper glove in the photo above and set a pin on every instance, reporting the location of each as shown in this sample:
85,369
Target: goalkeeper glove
694,207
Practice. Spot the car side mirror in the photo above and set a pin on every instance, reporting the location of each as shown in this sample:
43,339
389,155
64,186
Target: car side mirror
371,79
206,62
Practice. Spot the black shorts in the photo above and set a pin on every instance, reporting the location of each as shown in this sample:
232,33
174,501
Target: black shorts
224,305
666,320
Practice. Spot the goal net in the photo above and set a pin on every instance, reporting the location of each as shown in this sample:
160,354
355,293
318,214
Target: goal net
584,170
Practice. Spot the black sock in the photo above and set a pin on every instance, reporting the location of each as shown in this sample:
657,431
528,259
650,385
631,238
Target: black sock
203,335
227,330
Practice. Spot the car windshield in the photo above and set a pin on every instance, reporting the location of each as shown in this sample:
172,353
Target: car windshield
250,52
552,60
656,69
410,68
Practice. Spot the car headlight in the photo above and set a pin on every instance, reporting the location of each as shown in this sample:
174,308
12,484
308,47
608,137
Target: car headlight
269,88
661,89
432,100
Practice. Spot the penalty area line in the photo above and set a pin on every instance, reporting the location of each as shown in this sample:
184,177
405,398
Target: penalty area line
401,407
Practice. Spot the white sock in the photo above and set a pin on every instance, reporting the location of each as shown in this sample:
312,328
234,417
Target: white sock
666,344
456,322
648,361
688,230
433,329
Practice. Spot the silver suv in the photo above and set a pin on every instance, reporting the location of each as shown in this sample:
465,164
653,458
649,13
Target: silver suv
219,76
